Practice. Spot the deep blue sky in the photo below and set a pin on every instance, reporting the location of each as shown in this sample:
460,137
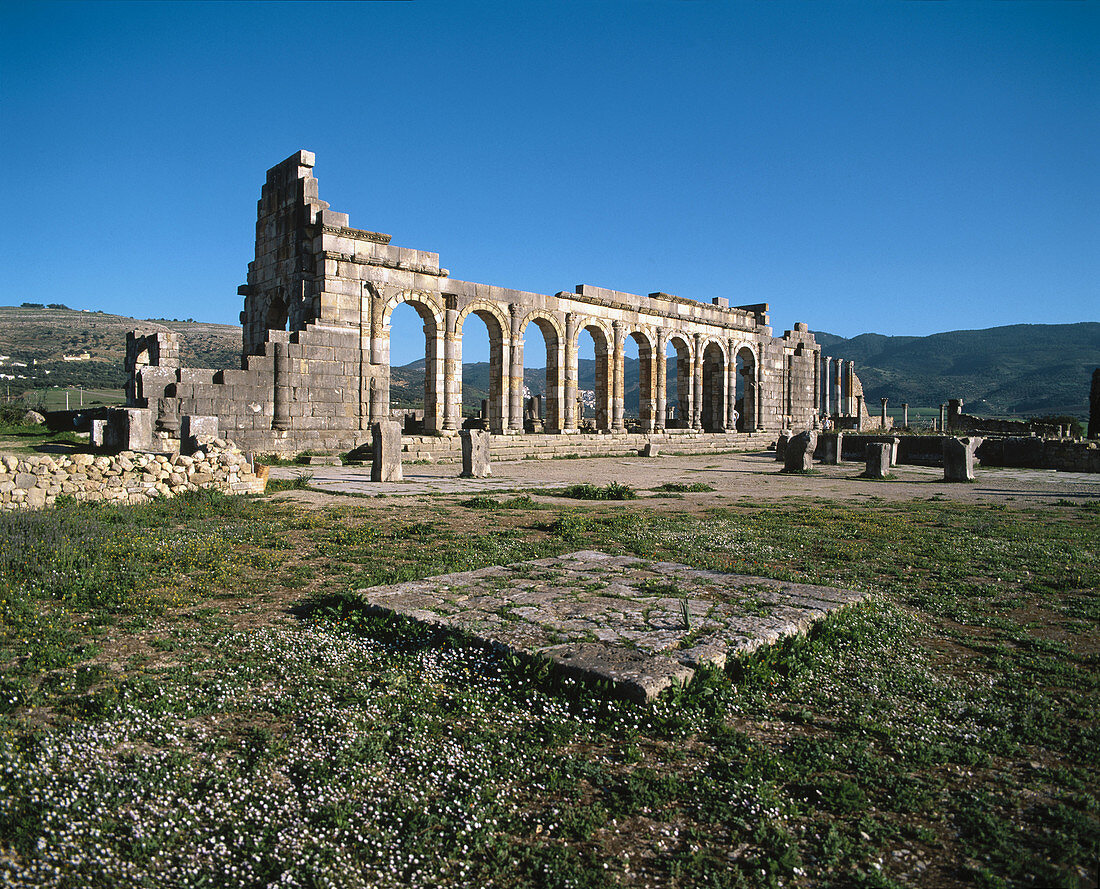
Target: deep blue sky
903,168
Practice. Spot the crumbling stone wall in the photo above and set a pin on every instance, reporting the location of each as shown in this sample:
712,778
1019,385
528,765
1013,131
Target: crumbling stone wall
37,480
316,328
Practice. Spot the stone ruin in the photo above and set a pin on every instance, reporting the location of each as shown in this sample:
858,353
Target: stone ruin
315,358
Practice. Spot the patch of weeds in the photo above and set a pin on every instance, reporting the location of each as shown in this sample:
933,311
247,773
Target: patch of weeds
684,487
612,491
300,482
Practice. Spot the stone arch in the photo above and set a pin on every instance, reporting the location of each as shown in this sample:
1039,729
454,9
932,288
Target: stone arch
604,344
499,327
276,310
646,339
746,384
684,376
429,306
713,408
553,335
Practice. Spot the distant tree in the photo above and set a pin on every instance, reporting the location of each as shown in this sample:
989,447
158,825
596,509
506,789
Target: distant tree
57,306
32,306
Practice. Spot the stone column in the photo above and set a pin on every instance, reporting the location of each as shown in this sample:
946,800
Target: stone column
731,392
515,373
281,408
883,420
662,379
826,387
943,418
904,415
570,372
697,384
618,401
859,413
850,386
838,386
452,370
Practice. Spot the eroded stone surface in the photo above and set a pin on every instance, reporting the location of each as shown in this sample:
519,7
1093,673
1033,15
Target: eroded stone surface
616,618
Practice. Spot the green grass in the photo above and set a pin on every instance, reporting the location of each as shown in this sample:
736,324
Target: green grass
166,722
612,491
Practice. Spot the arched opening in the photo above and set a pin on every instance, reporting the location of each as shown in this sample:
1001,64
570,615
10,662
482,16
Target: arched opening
713,409
593,379
745,404
543,392
678,383
277,316
415,359
640,386
484,396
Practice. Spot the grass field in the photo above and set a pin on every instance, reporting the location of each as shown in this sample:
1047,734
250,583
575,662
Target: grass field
192,695
55,399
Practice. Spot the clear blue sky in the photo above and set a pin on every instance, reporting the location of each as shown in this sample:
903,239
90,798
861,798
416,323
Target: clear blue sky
903,168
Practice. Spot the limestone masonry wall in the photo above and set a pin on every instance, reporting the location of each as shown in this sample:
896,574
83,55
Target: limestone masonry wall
36,481
315,359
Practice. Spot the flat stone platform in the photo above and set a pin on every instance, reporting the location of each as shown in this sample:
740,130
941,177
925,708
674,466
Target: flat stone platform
638,624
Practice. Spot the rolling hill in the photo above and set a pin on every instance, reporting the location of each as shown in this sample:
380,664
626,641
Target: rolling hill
1017,370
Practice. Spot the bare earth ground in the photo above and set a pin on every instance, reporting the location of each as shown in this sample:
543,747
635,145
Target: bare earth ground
733,477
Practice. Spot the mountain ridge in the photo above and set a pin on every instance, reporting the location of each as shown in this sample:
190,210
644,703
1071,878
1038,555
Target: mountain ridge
1009,370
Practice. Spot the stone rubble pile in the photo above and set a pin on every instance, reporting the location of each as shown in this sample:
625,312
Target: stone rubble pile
37,480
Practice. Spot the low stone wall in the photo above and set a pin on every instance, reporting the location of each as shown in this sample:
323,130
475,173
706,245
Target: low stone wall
1041,453
439,449
1029,452
37,480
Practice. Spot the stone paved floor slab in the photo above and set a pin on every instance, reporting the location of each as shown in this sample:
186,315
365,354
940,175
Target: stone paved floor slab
616,618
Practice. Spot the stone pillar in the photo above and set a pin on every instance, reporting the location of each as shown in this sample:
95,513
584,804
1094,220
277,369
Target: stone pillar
799,452
475,453
452,370
832,445
697,384
280,418
731,393
838,386
859,413
958,459
618,401
571,418
386,451
850,385
781,445
943,418
904,415
515,373
878,460
883,419
662,380
1094,405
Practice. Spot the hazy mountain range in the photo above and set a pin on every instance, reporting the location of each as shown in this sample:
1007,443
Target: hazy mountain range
1022,369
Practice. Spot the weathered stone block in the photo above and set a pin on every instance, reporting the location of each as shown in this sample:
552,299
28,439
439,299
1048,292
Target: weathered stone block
832,444
798,456
878,459
386,451
781,445
475,453
197,431
958,459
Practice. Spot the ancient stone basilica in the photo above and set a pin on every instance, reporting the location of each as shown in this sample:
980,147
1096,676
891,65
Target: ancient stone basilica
315,368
